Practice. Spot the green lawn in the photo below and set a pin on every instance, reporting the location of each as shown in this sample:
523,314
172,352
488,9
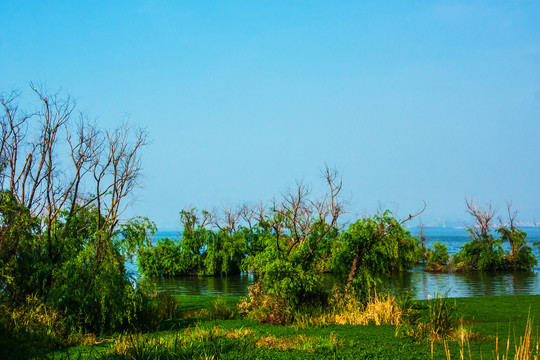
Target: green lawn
488,317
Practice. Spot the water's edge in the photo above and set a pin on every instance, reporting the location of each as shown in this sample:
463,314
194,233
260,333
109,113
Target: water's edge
422,285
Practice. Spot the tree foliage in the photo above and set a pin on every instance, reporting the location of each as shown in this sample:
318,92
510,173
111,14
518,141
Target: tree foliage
371,249
61,234
438,257
201,250
485,251
300,232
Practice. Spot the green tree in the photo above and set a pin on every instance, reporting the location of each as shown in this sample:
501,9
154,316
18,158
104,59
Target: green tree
64,245
370,249
437,257
298,234
485,252
521,256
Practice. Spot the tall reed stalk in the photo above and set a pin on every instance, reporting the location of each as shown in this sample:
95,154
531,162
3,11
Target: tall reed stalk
527,348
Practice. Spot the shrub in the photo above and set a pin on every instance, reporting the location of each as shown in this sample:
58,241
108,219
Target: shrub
200,251
437,257
36,321
264,308
441,321
521,256
481,254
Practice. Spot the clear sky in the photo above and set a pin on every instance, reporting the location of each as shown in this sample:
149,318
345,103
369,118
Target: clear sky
412,101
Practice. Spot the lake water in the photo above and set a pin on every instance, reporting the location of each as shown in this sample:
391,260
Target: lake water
421,284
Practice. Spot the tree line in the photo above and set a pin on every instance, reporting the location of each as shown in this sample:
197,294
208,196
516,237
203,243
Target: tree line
63,243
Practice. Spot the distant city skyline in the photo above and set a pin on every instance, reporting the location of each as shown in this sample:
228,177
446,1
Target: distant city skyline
411,101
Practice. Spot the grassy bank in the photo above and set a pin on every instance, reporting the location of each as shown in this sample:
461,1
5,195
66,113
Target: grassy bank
201,331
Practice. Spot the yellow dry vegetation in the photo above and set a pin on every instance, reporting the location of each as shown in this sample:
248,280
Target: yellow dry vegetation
379,310
350,311
528,347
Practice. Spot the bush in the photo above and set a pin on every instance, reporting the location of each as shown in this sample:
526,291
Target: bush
521,256
481,254
96,296
200,251
264,308
33,320
441,321
437,257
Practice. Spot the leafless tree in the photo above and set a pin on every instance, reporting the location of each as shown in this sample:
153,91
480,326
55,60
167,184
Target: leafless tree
512,215
33,154
260,212
482,215
190,219
304,216
248,213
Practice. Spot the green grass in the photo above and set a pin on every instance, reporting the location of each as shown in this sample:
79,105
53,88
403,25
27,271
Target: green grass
488,317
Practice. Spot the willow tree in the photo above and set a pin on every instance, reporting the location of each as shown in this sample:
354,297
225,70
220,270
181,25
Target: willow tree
74,181
300,231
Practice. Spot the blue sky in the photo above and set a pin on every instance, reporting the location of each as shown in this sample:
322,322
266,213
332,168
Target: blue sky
412,101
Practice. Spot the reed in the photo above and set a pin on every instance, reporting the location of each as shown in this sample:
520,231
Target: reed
526,348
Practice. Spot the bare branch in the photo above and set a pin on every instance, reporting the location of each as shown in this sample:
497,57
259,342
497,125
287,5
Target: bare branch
482,218
412,216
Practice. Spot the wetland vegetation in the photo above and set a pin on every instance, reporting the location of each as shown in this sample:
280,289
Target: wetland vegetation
65,291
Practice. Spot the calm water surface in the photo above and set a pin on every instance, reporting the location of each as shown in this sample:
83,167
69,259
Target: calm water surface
422,285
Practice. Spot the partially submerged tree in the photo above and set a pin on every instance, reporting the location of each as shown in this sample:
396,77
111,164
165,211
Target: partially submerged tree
297,236
485,251
372,248
209,245
520,256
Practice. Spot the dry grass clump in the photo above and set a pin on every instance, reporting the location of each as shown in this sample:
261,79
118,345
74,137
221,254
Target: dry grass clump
197,342
192,341
300,342
199,334
378,310
349,310
264,308
528,347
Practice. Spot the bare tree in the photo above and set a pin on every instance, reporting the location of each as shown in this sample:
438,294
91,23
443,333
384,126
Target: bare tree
247,213
33,148
482,216
229,220
304,217
512,215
